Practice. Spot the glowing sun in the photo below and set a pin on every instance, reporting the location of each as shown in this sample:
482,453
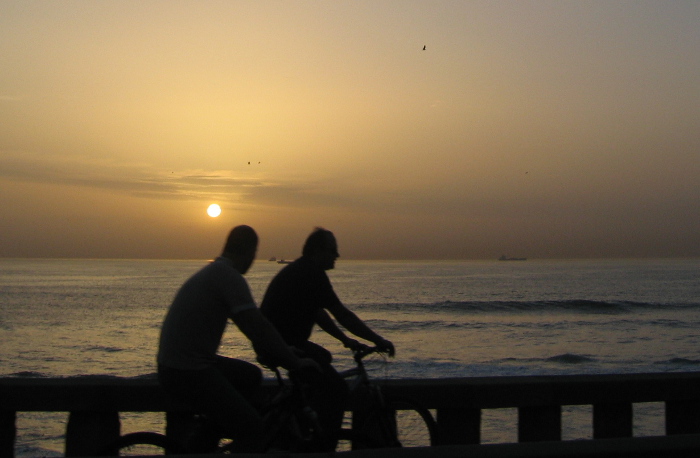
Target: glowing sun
214,210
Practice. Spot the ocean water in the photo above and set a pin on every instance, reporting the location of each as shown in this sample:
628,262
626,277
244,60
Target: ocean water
61,318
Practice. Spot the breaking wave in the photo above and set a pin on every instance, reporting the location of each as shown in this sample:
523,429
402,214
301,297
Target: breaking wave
581,306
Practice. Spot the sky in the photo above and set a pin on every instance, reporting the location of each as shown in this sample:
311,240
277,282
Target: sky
411,129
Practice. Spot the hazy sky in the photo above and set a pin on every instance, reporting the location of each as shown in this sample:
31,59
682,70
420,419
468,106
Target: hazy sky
544,129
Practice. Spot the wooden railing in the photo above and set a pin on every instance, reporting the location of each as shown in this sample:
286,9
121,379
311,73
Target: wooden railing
94,404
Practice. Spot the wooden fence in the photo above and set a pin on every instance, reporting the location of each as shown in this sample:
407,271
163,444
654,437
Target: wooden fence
94,404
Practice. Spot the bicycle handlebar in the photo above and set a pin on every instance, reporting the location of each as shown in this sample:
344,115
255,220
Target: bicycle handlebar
364,351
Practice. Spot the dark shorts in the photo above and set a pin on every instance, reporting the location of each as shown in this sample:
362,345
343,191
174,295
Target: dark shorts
329,396
226,392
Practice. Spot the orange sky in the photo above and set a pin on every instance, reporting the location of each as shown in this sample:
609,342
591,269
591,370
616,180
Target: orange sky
532,128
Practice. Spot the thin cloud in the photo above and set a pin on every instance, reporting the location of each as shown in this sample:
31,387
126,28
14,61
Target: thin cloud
147,181
135,179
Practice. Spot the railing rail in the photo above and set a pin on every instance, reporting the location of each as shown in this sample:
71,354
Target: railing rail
94,404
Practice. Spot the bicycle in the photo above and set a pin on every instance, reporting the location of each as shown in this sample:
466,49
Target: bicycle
288,424
379,421
383,420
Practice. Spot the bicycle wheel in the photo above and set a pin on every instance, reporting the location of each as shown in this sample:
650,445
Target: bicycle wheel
141,444
400,423
415,426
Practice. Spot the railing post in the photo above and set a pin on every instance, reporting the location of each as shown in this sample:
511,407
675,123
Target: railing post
176,425
8,432
612,420
539,423
87,433
682,417
459,426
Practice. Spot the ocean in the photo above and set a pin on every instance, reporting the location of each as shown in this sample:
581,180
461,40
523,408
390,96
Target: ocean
61,318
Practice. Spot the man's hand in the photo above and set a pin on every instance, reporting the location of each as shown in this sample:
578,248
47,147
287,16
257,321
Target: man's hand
385,346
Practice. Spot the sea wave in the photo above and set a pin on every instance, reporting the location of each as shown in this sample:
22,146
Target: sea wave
101,348
28,374
569,358
564,358
30,450
584,306
682,362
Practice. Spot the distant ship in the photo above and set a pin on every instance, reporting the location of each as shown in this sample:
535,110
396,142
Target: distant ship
506,258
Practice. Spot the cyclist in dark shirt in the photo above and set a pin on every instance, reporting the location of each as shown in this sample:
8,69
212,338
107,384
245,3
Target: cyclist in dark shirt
301,296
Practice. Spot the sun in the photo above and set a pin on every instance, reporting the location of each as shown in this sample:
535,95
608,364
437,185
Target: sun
214,210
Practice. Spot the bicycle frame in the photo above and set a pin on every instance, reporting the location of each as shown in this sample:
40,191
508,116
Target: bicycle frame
359,371
376,424
290,408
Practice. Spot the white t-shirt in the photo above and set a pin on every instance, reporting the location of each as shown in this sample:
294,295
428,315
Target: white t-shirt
193,327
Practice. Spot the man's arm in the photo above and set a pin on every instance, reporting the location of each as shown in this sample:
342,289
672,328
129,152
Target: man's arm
354,324
328,325
267,342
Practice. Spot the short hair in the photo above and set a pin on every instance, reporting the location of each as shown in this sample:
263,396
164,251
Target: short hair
317,241
241,240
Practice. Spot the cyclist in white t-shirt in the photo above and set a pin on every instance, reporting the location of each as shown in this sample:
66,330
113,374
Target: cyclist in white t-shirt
189,368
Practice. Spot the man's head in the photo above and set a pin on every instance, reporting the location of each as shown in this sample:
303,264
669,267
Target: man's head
241,246
322,248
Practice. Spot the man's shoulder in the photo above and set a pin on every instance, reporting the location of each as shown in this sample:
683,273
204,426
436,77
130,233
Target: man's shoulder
222,264
219,269
301,267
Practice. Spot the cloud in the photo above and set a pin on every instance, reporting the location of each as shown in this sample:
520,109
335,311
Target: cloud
141,180
147,181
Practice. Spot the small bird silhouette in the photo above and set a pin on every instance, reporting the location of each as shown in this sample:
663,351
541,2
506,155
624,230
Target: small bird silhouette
423,48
